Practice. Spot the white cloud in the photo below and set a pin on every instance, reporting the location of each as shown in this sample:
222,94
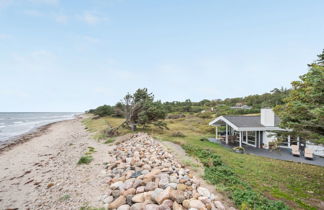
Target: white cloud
41,60
4,36
61,18
91,18
4,3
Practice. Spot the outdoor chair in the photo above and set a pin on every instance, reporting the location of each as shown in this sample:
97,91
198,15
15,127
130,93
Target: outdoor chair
308,153
295,150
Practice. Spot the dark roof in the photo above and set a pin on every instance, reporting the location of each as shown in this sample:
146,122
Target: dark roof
245,121
248,121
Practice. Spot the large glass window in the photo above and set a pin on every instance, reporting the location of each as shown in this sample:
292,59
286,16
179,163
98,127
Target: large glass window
251,137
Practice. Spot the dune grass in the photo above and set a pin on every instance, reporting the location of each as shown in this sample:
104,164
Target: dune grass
300,186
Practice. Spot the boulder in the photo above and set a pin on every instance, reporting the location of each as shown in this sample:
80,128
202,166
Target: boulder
197,204
177,195
176,206
121,200
165,194
140,189
116,185
138,198
128,184
151,207
137,206
203,192
130,191
123,207
219,205
181,187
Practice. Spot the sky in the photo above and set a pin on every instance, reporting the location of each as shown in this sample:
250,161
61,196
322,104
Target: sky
64,55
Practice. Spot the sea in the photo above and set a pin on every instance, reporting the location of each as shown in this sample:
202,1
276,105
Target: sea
13,124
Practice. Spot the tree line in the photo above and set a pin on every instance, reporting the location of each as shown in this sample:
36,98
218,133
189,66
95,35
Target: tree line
300,108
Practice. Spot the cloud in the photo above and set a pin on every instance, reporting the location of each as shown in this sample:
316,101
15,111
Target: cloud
61,18
5,3
4,36
91,18
41,60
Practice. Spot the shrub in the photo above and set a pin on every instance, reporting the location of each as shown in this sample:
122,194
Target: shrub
177,134
111,140
205,115
216,172
85,160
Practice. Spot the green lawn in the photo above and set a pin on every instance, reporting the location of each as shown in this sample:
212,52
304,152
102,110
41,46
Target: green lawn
300,186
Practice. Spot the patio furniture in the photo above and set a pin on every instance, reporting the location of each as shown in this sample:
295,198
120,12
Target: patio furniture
308,153
295,150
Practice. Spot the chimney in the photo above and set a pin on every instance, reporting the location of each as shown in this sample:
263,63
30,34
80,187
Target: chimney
267,117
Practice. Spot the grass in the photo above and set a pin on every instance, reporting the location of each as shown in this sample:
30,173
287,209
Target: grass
65,197
300,186
85,160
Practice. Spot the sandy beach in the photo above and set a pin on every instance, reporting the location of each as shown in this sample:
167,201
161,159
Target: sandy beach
42,172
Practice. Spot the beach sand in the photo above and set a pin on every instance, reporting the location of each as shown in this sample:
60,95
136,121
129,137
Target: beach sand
42,172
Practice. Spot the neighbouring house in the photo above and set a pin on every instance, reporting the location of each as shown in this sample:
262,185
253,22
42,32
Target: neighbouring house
256,131
241,106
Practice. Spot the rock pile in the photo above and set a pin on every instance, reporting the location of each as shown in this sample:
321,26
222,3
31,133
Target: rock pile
146,177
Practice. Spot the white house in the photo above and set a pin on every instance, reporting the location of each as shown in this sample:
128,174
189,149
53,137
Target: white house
256,131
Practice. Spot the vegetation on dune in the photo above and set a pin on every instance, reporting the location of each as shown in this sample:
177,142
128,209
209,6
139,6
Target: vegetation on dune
299,186
252,182
85,160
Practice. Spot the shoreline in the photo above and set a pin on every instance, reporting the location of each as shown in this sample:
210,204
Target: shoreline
35,132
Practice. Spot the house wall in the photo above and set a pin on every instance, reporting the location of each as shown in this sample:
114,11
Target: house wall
268,137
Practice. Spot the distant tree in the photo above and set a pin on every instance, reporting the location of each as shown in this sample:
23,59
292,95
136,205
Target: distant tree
102,111
303,111
119,110
141,110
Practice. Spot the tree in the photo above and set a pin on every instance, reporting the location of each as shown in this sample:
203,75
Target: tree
303,111
102,111
142,110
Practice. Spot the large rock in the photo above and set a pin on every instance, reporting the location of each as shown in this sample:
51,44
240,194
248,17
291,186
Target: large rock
181,187
164,181
156,193
165,194
130,191
219,205
176,206
116,185
123,207
197,204
150,186
177,195
203,192
137,206
152,174
138,198
151,207
121,200
128,184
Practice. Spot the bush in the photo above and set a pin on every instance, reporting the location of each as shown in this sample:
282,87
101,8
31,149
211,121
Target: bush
205,115
178,134
85,160
216,172
102,111
176,116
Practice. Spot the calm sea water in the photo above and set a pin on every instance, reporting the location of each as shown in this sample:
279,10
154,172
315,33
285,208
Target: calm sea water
13,124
